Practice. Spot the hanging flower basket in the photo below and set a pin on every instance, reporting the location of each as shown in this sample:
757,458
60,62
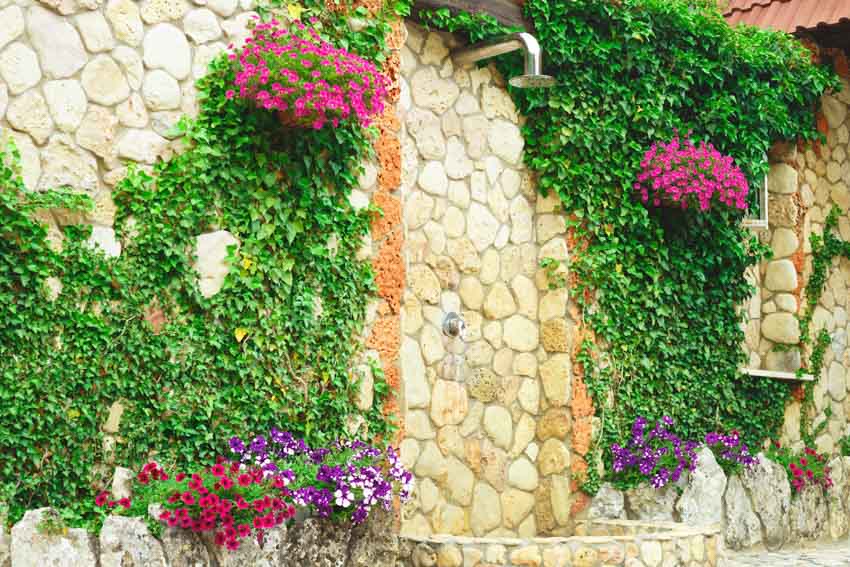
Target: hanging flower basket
308,82
684,175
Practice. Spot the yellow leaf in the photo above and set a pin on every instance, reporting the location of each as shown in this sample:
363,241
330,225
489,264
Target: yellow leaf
240,333
295,11
73,414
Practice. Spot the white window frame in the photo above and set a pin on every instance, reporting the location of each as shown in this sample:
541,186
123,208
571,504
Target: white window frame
760,222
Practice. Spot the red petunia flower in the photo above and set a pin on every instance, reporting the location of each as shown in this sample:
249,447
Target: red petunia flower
100,499
196,482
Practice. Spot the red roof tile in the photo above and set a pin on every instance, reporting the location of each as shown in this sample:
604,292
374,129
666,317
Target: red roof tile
787,15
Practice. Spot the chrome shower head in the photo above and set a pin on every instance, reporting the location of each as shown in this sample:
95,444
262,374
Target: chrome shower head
532,77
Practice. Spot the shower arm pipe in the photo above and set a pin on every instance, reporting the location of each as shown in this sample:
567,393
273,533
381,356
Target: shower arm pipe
504,44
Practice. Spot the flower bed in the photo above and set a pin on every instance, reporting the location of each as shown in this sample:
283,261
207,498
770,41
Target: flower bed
661,457
348,478
260,489
807,469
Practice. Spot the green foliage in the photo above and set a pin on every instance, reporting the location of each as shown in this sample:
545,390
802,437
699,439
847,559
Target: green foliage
666,285
844,446
52,524
273,348
826,249
554,274
476,26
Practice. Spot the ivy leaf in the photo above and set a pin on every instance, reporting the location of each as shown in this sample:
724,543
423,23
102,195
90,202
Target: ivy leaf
294,11
240,333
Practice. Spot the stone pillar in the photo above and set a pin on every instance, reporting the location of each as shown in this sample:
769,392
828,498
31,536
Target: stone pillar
486,418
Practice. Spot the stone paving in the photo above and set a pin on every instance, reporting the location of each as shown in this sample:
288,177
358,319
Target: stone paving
837,555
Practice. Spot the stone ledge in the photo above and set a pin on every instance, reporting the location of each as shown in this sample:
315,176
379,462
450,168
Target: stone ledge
645,544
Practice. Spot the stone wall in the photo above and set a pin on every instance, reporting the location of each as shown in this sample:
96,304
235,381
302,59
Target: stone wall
634,544
804,184
754,509
89,84
486,421
38,540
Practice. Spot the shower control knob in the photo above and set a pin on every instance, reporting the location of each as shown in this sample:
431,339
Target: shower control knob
454,326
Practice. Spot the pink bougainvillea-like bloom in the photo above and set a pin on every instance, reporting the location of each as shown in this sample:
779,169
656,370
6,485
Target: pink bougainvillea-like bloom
681,173
325,84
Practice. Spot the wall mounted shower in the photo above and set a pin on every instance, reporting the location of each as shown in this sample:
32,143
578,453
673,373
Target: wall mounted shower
532,76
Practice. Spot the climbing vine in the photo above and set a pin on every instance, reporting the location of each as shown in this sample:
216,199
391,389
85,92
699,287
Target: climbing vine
825,249
275,347
660,288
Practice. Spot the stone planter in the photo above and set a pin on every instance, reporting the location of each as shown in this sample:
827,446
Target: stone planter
123,541
597,542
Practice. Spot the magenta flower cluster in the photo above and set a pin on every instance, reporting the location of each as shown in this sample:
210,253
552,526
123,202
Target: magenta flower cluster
347,479
681,173
307,80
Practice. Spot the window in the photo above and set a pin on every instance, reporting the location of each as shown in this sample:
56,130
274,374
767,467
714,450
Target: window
758,221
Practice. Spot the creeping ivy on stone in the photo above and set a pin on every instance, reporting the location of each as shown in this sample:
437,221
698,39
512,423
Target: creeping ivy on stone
663,288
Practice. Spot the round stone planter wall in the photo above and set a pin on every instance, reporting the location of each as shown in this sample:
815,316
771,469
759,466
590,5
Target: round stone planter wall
608,542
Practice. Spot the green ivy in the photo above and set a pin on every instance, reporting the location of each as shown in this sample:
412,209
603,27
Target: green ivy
666,286
476,26
844,446
825,249
275,347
